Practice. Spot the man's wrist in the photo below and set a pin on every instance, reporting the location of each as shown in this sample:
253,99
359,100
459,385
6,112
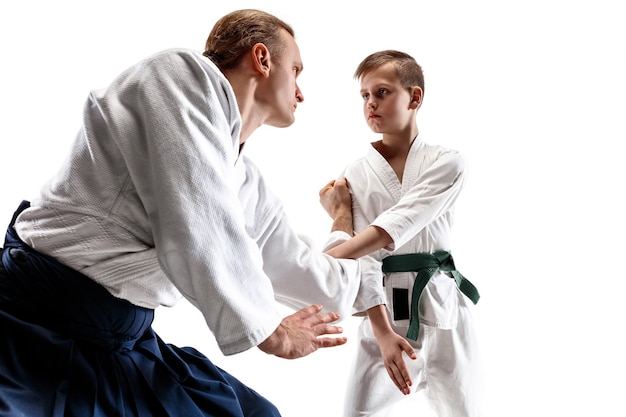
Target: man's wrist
273,344
343,222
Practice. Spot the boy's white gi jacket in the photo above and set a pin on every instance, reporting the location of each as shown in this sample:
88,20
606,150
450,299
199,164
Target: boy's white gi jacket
418,215
155,201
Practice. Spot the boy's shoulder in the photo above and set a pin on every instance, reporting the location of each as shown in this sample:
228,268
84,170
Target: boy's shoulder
437,149
433,145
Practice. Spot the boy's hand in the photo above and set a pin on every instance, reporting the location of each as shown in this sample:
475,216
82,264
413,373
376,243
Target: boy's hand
392,347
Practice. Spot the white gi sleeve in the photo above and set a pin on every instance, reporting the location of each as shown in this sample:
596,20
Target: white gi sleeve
302,275
176,122
433,193
371,292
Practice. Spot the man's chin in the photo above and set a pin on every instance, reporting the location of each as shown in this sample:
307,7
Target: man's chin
281,123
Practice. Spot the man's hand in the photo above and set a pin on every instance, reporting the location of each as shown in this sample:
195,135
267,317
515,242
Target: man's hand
298,334
336,200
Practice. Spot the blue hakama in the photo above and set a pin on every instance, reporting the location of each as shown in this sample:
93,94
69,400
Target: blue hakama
68,348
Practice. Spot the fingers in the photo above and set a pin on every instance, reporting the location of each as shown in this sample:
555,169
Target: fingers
339,186
405,377
320,326
313,316
325,318
409,351
334,183
309,311
325,188
299,333
326,342
400,376
396,366
342,183
318,323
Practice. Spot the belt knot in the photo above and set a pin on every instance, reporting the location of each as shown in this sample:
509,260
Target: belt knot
426,265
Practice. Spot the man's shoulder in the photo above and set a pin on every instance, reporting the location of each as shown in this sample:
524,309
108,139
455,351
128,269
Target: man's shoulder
171,52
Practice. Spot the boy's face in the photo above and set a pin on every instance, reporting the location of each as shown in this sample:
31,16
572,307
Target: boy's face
386,103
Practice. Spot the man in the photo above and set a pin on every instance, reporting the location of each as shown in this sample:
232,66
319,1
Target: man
156,202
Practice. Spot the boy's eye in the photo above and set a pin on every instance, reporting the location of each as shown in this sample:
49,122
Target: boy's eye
365,96
383,91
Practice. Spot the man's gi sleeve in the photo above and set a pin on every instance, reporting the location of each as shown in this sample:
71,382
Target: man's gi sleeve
302,275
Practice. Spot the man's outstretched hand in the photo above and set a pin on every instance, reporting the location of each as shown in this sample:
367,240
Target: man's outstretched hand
299,334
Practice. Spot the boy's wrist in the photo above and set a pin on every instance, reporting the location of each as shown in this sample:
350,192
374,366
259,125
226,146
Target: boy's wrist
379,321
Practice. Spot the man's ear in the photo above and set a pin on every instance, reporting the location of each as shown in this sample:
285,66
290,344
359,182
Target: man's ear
261,59
417,95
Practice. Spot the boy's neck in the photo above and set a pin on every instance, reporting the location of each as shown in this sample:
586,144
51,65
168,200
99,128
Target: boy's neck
395,151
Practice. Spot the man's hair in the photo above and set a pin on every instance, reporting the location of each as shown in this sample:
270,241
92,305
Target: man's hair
234,35
409,71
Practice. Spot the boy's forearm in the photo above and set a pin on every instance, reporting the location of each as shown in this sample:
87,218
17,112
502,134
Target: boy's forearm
379,320
366,242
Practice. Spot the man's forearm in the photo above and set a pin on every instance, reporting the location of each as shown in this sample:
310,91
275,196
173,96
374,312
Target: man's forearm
343,222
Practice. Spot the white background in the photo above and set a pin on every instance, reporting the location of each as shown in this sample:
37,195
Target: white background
531,92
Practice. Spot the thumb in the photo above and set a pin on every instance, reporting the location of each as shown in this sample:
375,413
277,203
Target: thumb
408,349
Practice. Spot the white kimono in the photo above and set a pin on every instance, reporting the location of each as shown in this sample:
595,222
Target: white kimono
155,201
417,214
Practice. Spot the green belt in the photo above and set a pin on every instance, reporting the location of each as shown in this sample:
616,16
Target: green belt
426,265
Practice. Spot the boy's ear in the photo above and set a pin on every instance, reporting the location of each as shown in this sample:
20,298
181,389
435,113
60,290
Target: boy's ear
261,59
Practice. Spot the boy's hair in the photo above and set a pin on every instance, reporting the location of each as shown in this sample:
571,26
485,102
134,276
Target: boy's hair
409,71
236,33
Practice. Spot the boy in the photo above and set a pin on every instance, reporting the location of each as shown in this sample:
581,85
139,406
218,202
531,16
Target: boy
403,193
